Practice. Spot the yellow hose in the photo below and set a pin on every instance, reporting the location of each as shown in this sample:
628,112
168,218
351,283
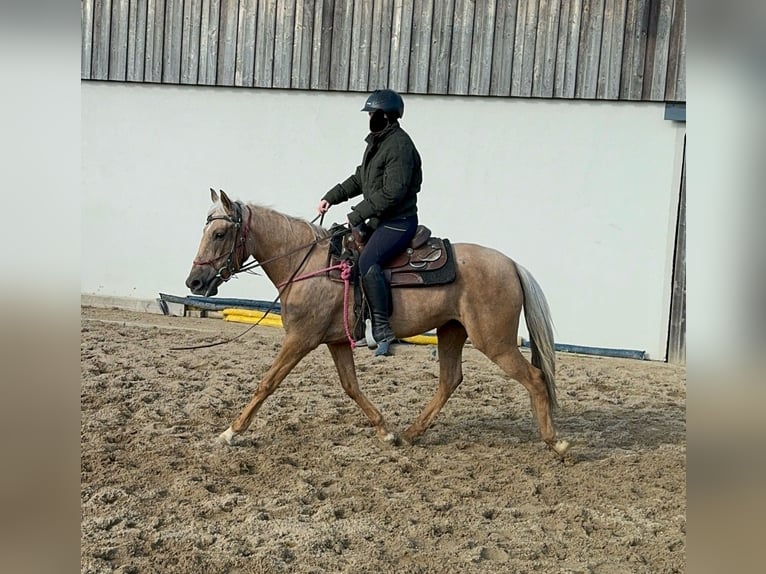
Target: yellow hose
250,316
421,339
274,320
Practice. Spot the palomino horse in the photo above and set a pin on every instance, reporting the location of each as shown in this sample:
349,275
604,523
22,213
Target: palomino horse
484,304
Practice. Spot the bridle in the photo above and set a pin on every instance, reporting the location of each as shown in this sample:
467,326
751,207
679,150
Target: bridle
233,267
234,260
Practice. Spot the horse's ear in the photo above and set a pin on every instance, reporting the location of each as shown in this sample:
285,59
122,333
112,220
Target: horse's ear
213,195
226,201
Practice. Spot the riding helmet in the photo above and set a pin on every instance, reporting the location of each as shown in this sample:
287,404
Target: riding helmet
387,101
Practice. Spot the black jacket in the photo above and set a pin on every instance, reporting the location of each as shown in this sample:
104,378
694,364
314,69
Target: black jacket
389,178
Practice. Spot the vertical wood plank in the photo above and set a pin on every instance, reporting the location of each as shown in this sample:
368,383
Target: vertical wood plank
677,332
86,40
481,51
341,44
204,46
316,44
136,41
656,91
634,52
674,48
102,22
583,48
675,82
190,41
441,47
566,52
373,80
538,58
590,49
380,44
283,43
561,50
302,43
118,40
264,43
502,50
361,38
298,43
422,22
460,57
545,48
160,41
518,46
171,54
401,37
612,42
151,18
681,82
393,62
227,42
531,27
651,38
244,63
629,47
573,44
607,33
322,49
208,42
524,48
548,55
614,73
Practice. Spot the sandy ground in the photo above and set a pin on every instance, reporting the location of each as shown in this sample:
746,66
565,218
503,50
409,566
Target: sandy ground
309,488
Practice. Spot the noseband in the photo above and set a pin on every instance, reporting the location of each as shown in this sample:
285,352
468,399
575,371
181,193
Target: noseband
234,260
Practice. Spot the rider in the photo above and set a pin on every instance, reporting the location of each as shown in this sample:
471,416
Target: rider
389,178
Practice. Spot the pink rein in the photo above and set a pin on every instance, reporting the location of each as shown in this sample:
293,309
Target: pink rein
345,274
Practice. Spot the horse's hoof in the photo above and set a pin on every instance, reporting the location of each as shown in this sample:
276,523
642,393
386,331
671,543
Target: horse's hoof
392,439
560,447
226,437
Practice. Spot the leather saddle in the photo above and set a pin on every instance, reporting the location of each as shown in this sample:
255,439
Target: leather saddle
427,260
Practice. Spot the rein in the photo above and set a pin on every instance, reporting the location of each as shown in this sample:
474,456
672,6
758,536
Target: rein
256,264
232,267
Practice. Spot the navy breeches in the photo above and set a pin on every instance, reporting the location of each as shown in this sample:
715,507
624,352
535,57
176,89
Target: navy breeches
389,239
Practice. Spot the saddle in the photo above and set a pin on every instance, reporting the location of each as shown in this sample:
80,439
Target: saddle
427,261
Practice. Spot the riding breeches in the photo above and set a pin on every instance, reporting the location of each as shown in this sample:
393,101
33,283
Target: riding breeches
389,239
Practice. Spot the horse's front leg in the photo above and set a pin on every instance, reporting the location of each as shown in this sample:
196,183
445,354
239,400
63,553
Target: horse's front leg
344,362
293,349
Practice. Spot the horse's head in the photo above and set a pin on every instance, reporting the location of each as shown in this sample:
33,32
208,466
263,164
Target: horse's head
222,249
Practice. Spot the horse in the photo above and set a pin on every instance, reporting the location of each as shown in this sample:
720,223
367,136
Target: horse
483,304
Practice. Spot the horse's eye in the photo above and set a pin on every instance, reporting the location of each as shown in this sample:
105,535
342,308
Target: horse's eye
218,235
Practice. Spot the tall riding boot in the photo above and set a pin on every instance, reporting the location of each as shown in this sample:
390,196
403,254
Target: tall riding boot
377,293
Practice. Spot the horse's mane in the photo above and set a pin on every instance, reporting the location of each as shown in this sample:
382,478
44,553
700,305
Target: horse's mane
318,231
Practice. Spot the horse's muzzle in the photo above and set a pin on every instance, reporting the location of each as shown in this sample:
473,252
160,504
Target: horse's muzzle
203,281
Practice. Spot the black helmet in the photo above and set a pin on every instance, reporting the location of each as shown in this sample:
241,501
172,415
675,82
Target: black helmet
386,100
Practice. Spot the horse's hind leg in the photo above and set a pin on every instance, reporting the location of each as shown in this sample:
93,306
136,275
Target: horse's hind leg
344,362
517,367
451,338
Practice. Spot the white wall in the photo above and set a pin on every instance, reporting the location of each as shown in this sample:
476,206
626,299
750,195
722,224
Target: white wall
583,194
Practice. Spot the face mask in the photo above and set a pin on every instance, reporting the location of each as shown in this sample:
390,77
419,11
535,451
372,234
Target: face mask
378,121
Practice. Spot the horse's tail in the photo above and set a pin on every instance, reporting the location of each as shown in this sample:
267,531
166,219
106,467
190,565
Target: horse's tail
540,326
